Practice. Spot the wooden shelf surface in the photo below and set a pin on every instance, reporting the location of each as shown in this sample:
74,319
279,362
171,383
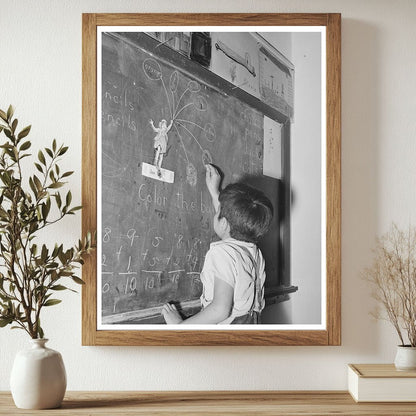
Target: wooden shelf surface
180,403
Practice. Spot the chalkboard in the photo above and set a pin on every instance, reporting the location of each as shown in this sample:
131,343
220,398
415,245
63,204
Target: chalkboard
156,223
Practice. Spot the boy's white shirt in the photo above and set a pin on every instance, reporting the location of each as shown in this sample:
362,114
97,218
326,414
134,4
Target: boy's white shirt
237,263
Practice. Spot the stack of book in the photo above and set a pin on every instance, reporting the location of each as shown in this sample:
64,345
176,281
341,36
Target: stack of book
381,383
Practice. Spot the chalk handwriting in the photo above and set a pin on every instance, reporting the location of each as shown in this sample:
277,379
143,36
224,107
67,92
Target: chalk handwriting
106,236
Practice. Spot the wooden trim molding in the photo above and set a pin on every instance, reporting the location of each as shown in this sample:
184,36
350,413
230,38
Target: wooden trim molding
329,336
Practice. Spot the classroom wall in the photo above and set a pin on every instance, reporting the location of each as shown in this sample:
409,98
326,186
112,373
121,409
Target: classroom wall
283,311
40,73
306,226
304,306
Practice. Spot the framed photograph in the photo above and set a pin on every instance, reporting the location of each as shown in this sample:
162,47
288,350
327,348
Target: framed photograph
177,107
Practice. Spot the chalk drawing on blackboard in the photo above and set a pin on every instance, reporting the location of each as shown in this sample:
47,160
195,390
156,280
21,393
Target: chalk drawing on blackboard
153,71
191,174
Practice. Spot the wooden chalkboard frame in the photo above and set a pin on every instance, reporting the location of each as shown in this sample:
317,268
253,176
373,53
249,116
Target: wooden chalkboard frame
329,336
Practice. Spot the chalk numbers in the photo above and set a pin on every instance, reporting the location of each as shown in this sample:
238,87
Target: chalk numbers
179,242
131,235
148,263
106,235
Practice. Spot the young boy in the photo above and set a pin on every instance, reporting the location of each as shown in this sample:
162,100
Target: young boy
233,274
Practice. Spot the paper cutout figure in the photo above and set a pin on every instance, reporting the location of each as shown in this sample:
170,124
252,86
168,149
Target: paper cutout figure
160,141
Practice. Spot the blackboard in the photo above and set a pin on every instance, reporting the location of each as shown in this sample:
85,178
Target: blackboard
155,233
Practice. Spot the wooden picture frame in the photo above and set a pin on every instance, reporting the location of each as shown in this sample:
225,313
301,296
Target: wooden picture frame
330,333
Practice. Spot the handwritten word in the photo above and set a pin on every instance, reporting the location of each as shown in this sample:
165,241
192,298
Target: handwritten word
183,204
151,197
119,120
119,99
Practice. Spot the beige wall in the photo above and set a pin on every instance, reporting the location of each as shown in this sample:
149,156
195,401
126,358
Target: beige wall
40,74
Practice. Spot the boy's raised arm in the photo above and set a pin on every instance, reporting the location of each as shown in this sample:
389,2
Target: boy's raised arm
213,181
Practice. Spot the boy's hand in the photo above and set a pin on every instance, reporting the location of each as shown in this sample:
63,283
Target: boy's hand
171,314
212,179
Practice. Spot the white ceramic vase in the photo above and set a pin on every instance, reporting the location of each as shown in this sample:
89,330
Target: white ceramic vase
38,377
405,358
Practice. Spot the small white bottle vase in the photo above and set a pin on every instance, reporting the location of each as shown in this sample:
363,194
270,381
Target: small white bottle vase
405,358
38,377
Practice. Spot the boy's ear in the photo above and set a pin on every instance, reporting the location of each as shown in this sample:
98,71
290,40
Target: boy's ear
225,224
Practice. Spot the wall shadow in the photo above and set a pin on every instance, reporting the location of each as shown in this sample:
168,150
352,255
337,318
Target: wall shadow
361,116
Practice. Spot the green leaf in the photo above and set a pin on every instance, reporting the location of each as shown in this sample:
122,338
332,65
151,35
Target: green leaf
33,187
54,145
3,115
25,145
56,185
10,112
41,157
44,253
68,199
63,150
62,257
37,182
24,132
40,331
8,133
66,274
25,155
49,152
76,279
59,287
67,174
45,210
39,167
58,199
72,210
14,125
57,250
5,321
51,302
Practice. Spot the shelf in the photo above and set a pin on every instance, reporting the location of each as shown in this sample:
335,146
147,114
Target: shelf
181,403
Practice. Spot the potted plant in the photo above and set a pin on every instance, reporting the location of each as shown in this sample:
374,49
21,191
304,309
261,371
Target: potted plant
31,273
393,277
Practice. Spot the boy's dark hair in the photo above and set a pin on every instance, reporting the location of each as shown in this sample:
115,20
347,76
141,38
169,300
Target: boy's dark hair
248,211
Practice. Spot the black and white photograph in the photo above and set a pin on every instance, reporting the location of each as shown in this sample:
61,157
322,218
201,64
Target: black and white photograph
211,160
